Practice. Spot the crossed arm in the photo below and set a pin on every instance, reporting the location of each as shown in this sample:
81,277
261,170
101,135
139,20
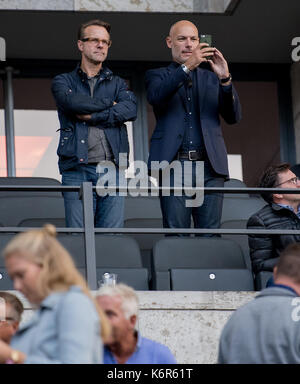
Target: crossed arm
95,110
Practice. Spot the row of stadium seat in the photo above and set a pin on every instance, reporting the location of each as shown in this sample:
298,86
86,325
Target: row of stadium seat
176,263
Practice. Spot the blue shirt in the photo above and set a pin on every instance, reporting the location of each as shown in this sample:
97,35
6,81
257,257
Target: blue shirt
64,329
147,352
291,209
193,139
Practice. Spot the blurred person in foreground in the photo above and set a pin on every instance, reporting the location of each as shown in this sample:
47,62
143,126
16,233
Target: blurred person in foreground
67,324
126,345
267,329
11,309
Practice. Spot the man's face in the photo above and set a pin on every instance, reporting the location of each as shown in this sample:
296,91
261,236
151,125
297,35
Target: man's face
288,180
121,326
8,325
96,43
183,40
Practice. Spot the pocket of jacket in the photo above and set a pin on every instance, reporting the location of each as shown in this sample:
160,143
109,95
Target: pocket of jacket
67,143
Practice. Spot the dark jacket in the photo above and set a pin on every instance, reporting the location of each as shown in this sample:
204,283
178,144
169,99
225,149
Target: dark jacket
166,93
72,95
265,250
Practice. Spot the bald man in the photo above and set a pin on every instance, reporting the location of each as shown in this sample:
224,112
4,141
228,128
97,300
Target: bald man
188,98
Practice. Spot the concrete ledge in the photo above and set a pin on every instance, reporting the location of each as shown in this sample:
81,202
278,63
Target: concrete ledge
189,323
166,6
38,5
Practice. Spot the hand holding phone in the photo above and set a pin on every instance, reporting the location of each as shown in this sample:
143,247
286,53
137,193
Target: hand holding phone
208,40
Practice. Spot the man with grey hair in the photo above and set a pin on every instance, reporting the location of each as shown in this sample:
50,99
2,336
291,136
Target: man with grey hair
126,345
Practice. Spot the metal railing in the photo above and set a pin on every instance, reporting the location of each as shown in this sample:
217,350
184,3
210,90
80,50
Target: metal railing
86,193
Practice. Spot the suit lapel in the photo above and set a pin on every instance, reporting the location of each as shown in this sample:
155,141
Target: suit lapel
202,86
182,94
181,89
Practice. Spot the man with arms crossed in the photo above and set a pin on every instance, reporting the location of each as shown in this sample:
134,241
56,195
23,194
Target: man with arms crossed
93,105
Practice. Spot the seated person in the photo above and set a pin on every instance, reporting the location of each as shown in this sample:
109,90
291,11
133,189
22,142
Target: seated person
11,309
282,212
126,345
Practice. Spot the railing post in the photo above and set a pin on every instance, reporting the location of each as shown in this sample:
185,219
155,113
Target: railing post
86,192
9,121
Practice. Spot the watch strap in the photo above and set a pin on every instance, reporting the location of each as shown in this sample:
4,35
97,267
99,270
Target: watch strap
226,80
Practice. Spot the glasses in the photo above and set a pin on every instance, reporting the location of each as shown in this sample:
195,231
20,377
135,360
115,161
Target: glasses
96,41
293,180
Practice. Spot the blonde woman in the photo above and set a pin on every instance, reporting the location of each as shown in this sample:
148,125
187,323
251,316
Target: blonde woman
66,326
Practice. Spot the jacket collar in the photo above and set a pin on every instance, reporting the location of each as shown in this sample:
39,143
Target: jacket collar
201,81
104,71
276,291
278,208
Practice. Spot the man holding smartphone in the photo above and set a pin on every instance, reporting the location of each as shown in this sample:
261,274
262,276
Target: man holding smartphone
187,101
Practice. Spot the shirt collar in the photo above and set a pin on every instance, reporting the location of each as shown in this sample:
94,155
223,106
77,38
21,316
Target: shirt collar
285,287
104,71
51,300
174,65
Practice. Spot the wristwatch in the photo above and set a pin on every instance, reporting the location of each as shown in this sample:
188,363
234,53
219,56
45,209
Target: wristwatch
226,80
185,68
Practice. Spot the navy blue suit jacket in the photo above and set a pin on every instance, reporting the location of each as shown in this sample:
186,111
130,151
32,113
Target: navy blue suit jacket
166,93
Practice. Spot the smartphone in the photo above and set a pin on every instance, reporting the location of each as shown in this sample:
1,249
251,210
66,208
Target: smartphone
208,40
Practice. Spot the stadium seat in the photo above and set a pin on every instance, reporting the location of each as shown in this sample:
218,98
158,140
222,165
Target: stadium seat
74,243
261,279
242,240
235,183
144,212
193,253
121,255
18,206
39,222
6,284
237,207
211,279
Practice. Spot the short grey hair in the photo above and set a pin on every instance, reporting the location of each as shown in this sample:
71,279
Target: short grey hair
130,301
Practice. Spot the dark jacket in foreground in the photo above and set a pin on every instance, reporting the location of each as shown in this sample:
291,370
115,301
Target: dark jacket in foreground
265,249
166,93
72,95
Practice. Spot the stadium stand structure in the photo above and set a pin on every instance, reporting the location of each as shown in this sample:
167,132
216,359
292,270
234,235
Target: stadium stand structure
134,256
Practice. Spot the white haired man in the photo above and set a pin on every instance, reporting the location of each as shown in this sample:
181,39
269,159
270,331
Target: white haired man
126,345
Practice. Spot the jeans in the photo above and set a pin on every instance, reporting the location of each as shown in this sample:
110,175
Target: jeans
108,210
208,215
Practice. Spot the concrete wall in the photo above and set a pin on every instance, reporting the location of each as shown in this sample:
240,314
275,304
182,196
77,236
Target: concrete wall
189,323
182,6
